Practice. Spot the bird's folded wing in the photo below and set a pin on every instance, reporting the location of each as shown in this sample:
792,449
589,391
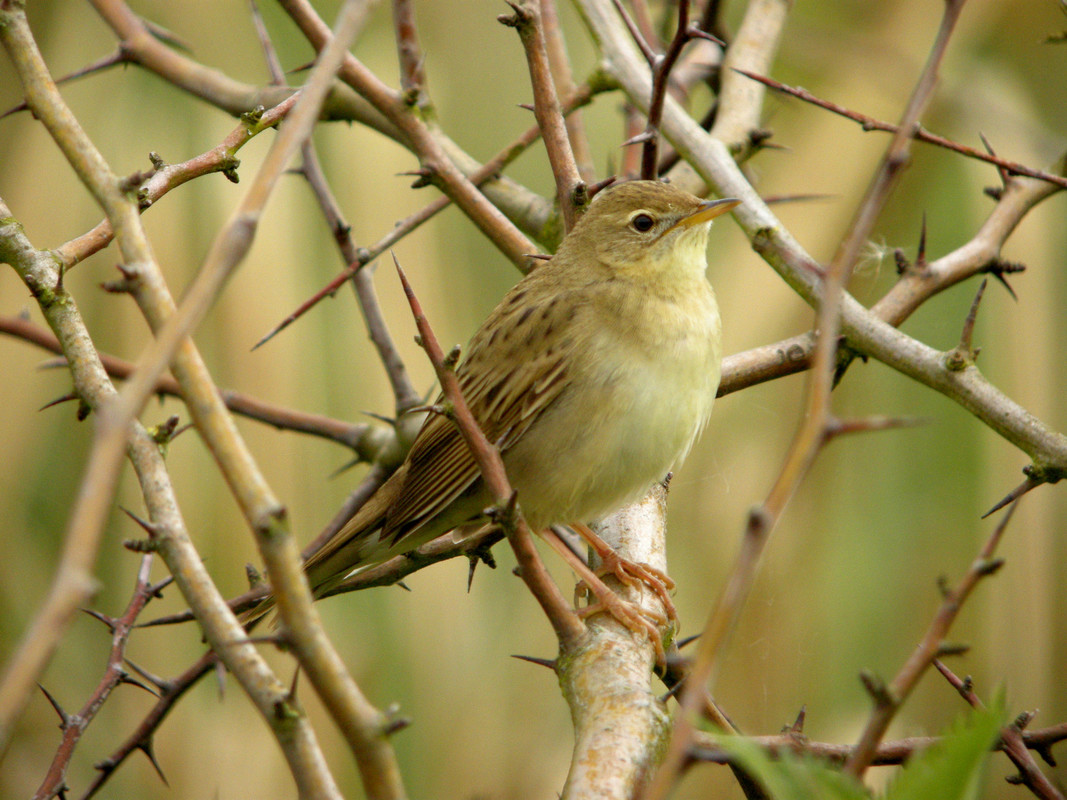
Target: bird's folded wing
516,369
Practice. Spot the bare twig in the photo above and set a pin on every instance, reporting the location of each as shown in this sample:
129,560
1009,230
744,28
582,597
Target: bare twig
921,134
74,725
565,87
365,255
813,432
1011,742
527,21
439,167
412,73
891,752
368,441
889,700
568,627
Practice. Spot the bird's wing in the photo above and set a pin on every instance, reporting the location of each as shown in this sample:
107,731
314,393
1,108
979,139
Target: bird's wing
515,369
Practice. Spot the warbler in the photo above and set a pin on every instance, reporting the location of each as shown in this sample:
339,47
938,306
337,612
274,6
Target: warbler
594,376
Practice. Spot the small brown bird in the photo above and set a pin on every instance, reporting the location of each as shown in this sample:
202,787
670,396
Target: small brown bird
594,376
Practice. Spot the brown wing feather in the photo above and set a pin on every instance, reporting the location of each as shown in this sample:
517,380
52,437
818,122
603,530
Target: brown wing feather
515,369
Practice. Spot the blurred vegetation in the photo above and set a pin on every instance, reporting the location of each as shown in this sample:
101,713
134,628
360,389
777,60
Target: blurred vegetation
849,581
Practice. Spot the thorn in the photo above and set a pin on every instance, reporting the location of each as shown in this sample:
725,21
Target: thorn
989,566
295,683
800,197
544,662
148,749
220,678
164,686
641,138
59,400
876,688
526,106
156,590
394,721
696,32
964,354
391,421
972,316
798,723
537,256
473,559
126,678
64,717
760,137
1015,494
1004,177
998,268
600,186
687,640
920,256
876,422
403,586
108,621
255,578
943,587
1045,751
952,649
149,527
344,467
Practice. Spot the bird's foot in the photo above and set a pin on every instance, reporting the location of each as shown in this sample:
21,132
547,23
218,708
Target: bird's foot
630,573
642,621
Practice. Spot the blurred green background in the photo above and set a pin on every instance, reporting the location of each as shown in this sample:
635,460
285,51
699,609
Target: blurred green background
849,580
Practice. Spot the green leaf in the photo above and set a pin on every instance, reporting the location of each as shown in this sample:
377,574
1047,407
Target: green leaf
790,777
954,768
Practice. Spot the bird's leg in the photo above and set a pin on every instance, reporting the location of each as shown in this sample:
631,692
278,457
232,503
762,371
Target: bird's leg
629,572
628,614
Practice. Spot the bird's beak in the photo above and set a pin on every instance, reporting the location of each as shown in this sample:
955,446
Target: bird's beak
707,212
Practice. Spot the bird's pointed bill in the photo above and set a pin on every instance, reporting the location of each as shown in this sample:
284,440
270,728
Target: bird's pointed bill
708,211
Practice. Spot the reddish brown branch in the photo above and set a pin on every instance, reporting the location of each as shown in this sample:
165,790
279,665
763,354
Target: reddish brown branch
74,725
364,256
919,133
568,627
527,21
1011,742
892,697
361,437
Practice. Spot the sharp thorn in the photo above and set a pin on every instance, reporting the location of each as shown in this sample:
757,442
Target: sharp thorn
108,621
148,749
543,662
59,400
64,718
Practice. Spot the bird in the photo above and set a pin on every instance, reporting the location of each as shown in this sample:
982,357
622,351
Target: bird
594,375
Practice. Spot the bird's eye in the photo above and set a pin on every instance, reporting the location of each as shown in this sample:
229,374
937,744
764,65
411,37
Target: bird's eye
642,223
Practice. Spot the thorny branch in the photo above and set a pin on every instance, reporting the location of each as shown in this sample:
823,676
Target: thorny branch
914,287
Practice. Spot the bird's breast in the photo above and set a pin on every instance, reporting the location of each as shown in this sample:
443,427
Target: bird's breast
641,387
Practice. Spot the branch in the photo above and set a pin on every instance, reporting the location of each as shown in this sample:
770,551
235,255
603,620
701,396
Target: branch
888,699
439,167
568,627
919,133
73,726
1011,741
814,432
569,186
367,441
